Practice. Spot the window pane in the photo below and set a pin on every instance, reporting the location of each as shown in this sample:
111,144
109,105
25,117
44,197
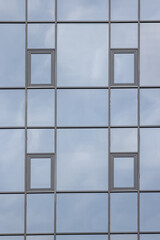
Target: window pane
124,68
123,212
40,140
40,172
40,213
149,236
124,140
12,213
12,155
150,9
41,107
82,212
124,237
40,68
149,158
123,107
123,172
12,10
82,107
124,35
82,152
40,237
12,108
82,61
41,10
124,9
84,237
41,35
150,211
83,10
149,54
12,57
150,102
11,238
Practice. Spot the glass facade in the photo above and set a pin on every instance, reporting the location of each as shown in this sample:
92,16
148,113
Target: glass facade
79,120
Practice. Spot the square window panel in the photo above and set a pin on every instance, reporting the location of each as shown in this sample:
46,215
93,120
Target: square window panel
123,212
85,212
124,107
149,54
82,61
12,213
44,237
12,108
124,237
150,159
150,106
124,140
41,36
82,152
83,10
40,213
149,236
82,237
150,9
124,35
41,107
11,238
12,57
40,141
87,107
12,10
12,152
41,10
124,10
149,212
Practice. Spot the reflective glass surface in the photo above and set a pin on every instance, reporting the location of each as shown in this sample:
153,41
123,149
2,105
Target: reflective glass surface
123,212
41,35
82,61
124,237
124,68
82,212
149,158
40,213
124,140
82,10
12,157
124,10
40,172
150,9
124,107
82,152
40,237
149,236
12,57
40,140
124,35
123,172
41,107
87,107
149,211
84,237
149,54
40,10
12,213
40,68
12,10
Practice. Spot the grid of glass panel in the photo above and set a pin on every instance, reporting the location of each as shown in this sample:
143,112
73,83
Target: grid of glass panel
79,119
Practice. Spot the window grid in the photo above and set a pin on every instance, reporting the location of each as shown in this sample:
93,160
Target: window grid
138,191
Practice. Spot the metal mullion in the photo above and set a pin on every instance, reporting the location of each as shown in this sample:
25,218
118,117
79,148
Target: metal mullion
26,58
55,134
138,115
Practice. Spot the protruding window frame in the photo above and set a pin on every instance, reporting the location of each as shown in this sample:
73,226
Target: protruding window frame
40,51
114,51
135,171
52,180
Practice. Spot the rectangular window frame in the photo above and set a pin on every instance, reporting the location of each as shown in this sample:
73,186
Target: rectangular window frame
135,170
124,51
40,51
31,156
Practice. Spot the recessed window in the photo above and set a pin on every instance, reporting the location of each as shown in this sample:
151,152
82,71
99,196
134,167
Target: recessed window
40,172
124,66
123,171
40,67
